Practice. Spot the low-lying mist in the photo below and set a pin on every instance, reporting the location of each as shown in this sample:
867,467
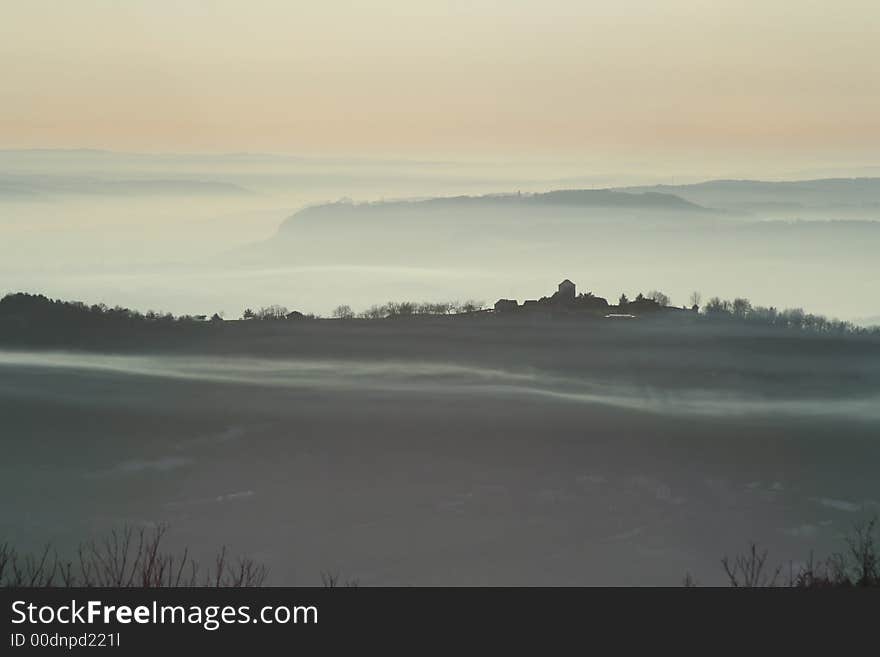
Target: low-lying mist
428,471
406,379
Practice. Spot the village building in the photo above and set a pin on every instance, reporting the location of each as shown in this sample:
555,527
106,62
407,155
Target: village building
566,301
565,292
505,305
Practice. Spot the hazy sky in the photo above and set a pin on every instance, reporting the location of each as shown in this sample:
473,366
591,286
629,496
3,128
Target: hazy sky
463,77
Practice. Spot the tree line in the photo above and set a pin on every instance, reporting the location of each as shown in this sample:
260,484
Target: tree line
38,307
408,308
383,311
792,318
20,310
743,310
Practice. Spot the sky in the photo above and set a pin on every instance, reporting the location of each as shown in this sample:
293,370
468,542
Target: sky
761,81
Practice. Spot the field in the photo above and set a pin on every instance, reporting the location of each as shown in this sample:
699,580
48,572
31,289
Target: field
449,450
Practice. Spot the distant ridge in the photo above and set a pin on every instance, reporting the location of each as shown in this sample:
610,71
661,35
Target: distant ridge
814,197
565,198
814,185
615,198
47,186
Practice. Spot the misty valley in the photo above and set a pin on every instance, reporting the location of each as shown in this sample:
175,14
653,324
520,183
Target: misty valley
204,346
475,448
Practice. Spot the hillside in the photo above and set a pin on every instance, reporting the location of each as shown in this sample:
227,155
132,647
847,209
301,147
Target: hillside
587,200
470,228
825,198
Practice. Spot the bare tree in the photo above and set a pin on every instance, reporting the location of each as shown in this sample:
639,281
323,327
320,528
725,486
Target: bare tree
273,312
659,297
343,312
333,580
748,570
715,306
126,558
858,565
741,307
472,306
865,554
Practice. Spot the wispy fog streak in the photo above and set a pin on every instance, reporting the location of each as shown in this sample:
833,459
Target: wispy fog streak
420,378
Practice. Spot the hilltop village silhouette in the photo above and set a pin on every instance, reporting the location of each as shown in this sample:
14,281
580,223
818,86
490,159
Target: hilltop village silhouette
566,299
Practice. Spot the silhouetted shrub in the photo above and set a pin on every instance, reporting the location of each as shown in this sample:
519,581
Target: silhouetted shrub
273,312
126,558
409,308
792,318
332,580
858,565
343,312
659,297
